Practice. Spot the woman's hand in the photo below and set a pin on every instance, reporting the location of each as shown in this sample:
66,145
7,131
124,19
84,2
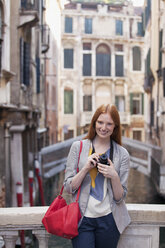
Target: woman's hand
92,161
79,177
110,172
107,170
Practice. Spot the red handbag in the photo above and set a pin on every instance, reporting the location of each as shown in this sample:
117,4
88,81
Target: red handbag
62,219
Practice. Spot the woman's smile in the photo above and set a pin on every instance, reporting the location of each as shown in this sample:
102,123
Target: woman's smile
104,125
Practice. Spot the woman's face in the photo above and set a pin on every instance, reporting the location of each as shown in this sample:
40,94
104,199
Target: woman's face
104,125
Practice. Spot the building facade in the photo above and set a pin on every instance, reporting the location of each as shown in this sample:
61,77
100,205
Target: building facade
51,58
154,85
102,61
21,93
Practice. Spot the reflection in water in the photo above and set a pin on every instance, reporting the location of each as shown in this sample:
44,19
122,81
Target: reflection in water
140,190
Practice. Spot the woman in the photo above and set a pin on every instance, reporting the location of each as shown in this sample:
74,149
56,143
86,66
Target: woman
103,186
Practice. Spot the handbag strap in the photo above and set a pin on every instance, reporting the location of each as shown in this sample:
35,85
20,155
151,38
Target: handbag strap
78,193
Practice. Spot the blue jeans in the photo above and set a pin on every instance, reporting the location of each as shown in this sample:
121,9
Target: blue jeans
97,233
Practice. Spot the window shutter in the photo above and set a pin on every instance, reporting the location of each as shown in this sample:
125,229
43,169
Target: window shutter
131,103
103,64
119,65
152,113
68,101
37,74
164,82
119,27
68,58
68,24
160,47
142,103
88,25
136,59
86,64
21,60
26,76
140,29
87,103
117,102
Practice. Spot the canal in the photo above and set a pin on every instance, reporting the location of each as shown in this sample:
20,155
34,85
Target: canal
140,190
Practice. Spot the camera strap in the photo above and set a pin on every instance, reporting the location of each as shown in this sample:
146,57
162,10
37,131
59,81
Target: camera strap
111,150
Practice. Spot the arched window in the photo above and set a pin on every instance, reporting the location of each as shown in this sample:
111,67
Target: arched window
136,58
103,60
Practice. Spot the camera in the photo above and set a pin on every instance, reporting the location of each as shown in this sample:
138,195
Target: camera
103,159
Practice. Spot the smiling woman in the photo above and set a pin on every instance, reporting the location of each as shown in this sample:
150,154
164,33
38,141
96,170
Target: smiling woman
103,185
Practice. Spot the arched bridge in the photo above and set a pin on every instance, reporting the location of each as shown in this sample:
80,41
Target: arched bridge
144,157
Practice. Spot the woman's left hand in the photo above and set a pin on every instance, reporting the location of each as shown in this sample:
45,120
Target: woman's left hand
107,170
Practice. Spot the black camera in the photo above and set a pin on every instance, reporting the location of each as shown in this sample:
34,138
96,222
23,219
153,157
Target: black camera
103,159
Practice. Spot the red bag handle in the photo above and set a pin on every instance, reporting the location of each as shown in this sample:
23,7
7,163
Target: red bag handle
78,193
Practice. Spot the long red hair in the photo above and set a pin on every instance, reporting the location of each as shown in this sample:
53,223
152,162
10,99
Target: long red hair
112,111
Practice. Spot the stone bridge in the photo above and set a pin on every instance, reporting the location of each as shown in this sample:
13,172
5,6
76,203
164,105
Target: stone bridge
144,157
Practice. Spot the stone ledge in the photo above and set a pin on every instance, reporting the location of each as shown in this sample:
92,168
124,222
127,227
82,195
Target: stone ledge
32,216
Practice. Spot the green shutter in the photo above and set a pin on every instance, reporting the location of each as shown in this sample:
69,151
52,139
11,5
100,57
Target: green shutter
160,47
68,102
131,103
142,105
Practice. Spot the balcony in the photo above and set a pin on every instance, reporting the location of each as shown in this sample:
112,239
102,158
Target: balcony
143,231
86,118
124,118
29,12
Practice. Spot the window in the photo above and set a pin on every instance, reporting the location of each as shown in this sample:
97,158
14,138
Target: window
137,135
137,103
68,24
118,48
119,27
136,58
68,58
88,25
160,48
163,72
68,134
119,70
37,74
68,101
152,107
87,103
120,103
24,62
103,60
139,29
86,64
87,46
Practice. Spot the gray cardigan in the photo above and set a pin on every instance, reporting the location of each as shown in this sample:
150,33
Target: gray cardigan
121,163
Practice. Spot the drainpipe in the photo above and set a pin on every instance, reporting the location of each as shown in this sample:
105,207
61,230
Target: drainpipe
157,115
7,165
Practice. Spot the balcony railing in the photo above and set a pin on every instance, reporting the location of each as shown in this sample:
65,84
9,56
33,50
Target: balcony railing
125,118
143,231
